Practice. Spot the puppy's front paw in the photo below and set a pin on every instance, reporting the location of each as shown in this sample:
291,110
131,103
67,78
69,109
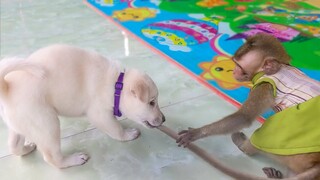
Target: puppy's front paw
77,159
28,148
131,134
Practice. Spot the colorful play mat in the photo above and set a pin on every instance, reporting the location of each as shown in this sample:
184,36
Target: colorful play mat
200,36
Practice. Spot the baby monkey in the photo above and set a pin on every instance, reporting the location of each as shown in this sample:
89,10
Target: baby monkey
292,134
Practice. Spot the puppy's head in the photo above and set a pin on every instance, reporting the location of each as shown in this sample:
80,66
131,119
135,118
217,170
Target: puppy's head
140,100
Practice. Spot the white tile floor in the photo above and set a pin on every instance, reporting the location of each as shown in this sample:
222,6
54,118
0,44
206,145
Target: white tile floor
27,25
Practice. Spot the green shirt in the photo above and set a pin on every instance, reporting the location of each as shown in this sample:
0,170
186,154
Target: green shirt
295,128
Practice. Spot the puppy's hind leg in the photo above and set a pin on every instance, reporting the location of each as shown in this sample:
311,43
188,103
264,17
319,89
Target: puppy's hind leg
18,145
55,158
48,141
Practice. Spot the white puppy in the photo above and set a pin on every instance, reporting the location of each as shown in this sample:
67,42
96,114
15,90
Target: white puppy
69,81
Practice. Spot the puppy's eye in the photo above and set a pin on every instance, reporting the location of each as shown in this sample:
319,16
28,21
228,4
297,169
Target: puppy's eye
152,103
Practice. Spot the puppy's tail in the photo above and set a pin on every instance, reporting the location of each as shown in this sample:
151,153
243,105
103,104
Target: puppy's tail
11,64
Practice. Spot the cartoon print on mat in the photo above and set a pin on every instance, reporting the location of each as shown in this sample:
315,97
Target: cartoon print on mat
314,18
221,71
283,33
178,34
300,16
288,17
191,32
107,2
314,31
131,12
134,14
211,3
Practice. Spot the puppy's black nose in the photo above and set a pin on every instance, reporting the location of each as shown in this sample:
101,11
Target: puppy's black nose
163,119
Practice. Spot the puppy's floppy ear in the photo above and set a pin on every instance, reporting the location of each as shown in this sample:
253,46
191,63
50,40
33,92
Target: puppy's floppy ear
140,90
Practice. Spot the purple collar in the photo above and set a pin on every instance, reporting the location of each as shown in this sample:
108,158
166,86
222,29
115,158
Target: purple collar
118,87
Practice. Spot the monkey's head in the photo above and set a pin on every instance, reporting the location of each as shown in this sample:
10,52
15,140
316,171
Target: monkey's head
261,52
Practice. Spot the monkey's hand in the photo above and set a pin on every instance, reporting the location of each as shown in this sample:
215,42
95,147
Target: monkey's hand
187,136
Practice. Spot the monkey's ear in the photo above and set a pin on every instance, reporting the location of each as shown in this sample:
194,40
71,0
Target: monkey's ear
271,66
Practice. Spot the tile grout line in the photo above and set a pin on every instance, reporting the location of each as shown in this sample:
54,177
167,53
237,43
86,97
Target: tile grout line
87,130
93,128
182,101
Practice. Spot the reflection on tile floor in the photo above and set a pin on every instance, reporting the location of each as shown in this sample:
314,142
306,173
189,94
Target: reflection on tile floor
27,25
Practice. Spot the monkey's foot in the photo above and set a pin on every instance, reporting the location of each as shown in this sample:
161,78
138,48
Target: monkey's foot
272,173
239,138
243,143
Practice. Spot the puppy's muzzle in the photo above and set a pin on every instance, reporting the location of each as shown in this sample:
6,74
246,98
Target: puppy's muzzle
157,122
163,118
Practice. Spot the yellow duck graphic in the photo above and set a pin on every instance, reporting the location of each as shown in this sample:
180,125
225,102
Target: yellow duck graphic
211,3
134,14
221,71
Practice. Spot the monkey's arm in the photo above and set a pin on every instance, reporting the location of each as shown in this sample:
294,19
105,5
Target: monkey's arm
260,99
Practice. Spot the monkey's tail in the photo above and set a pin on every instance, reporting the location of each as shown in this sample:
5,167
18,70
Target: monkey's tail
211,160
310,174
11,64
